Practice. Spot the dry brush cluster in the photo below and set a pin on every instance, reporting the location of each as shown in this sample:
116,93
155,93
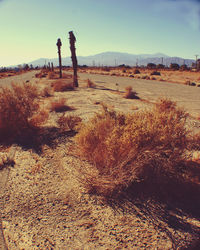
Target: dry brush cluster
62,85
135,147
130,94
19,110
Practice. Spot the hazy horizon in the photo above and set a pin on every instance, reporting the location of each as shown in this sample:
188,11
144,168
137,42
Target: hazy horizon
30,29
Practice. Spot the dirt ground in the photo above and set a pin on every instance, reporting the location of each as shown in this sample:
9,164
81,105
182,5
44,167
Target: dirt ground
45,204
166,75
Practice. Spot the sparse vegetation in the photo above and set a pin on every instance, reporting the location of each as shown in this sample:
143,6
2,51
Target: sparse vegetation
62,85
144,163
136,71
18,104
155,73
69,122
55,75
47,91
52,75
129,148
90,84
130,94
60,105
42,74
39,118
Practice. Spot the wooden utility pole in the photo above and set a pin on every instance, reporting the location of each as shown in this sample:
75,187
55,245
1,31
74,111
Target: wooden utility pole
59,44
196,60
72,40
52,68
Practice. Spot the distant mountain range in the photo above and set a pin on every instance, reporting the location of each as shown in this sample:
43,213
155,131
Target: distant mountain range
115,59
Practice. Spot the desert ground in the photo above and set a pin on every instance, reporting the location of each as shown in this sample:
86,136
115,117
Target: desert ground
44,202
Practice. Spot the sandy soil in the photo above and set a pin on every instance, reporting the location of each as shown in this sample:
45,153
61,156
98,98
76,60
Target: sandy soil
45,205
166,75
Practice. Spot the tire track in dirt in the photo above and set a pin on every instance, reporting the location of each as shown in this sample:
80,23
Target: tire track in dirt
4,173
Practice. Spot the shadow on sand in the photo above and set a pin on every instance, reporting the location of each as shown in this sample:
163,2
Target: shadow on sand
171,205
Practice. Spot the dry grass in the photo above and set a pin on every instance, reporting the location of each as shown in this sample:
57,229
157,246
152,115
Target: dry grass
61,86
69,122
18,104
124,149
60,105
130,94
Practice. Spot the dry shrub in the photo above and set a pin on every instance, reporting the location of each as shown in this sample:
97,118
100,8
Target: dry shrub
136,71
69,122
144,77
56,75
61,86
52,75
60,105
41,74
47,92
194,142
90,84
66,76
18,103
155,73
39,118
127,148
130,94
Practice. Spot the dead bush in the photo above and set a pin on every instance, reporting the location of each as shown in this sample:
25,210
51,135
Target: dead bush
90,84
47,92
124,149
39,118
130,94
136,71
52,75
60,105
69,122
194,142
66,76
18,103
155,73
61,86
42,74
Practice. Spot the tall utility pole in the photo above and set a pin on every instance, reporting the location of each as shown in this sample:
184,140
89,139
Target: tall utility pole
137,62
196,60
59,44
72,40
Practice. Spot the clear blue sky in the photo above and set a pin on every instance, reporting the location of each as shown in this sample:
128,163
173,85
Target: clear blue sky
29,29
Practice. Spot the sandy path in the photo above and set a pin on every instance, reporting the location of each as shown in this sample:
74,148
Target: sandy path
29,76
186,96
3,180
